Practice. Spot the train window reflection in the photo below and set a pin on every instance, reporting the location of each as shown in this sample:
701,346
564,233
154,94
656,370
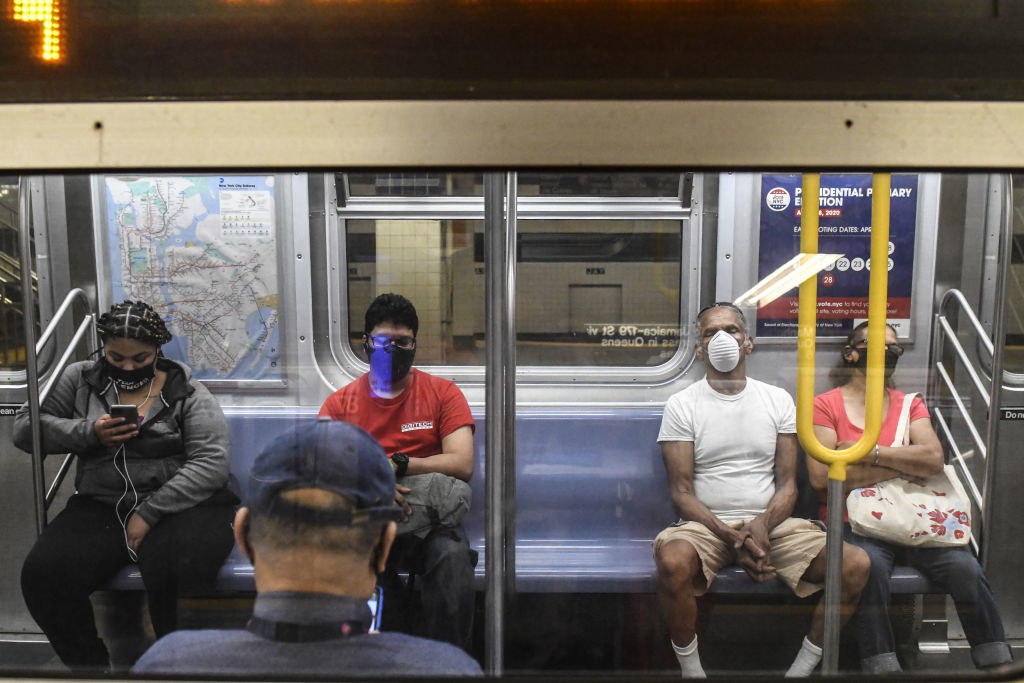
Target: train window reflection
597,293
599,275
440,184
410,184
593,292
12,298
603,185
428,261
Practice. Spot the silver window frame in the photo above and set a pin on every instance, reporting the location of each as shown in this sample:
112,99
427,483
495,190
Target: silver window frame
527,208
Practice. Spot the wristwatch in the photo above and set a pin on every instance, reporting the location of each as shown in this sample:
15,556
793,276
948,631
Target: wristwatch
399,463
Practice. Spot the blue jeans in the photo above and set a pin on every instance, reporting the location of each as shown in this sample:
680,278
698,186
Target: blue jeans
957,571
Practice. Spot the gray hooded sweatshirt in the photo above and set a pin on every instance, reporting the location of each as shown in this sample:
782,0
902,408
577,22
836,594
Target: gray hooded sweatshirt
179,459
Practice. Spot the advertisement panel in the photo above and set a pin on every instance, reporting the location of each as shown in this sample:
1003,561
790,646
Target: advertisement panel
844,228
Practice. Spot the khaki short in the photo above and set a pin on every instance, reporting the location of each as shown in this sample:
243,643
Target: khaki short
794,545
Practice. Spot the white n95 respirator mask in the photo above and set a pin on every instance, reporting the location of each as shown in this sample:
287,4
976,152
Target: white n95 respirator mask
723,352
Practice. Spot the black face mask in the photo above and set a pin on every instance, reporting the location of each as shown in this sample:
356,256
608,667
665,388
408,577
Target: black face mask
392,364
891,358
129,380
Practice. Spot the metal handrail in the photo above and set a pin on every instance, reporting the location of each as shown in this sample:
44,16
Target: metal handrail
973,489
87,330
87,326
948,381
58,479
943,333
837,460
973,319
51,328
950,334
500,239
54,323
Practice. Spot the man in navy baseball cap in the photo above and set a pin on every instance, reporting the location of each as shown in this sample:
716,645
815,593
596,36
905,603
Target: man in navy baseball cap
337,457
318,522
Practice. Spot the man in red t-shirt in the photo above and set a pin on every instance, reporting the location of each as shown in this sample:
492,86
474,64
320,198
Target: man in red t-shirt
425,425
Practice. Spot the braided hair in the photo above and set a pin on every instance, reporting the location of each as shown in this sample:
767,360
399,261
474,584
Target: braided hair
134,320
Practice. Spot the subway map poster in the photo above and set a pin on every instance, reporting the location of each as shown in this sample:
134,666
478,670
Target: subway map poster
201,250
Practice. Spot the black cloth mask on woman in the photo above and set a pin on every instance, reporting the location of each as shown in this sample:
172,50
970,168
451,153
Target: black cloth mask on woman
129,380
891,358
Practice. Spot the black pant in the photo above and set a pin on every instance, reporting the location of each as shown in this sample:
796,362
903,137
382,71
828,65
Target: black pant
85,545
442,567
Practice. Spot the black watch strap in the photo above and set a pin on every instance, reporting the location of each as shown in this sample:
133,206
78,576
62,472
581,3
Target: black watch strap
401,461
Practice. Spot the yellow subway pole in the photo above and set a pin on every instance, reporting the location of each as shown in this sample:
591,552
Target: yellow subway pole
837,460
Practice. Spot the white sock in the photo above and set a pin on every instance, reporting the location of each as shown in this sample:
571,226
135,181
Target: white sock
806,660
689,659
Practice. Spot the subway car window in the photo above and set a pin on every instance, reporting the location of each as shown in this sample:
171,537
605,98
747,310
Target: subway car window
659,446
599,286
598,292
12,298
426,258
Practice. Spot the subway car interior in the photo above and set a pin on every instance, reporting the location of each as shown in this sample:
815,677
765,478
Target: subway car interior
264,278
560,187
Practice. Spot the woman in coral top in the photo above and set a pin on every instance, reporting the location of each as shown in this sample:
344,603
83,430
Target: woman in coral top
839,423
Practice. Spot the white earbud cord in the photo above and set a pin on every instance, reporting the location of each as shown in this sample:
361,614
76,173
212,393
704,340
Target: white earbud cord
117,508
128,483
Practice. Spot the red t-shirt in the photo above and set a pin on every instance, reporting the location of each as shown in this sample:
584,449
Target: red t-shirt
829,411
414,422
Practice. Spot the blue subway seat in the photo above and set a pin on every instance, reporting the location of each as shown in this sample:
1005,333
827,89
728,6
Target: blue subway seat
591,493
235,576
734,580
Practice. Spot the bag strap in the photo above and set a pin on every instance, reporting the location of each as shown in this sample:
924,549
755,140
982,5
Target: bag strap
903,426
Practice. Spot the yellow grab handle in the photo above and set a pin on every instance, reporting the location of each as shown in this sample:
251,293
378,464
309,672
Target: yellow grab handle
807,328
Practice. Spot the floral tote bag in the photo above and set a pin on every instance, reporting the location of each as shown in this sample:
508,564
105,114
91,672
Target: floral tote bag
934,514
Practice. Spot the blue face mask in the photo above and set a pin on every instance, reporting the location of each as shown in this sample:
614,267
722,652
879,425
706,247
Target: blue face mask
388,362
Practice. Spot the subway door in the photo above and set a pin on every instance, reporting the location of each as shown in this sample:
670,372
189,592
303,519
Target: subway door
1003,552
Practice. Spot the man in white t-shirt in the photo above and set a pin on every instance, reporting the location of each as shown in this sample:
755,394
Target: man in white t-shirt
730,450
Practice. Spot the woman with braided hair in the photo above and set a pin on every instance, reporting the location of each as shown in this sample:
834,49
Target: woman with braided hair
152,492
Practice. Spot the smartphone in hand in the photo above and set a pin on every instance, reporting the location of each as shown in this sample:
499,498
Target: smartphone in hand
129,412
376,605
